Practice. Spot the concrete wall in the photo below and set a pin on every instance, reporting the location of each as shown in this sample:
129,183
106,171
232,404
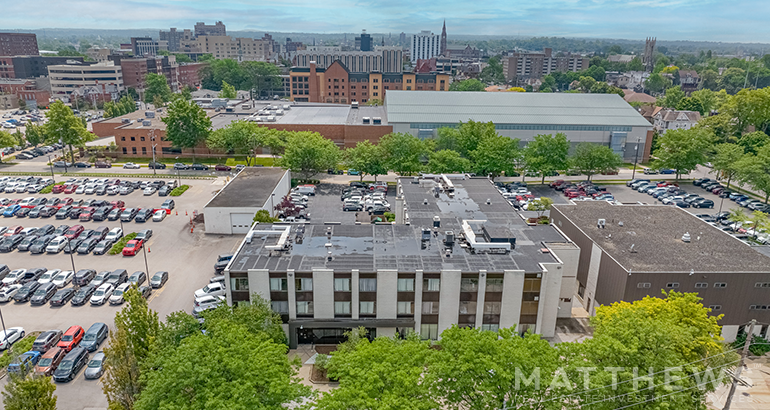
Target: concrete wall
548,308
569,255
513,287
449,307
387,294
323,294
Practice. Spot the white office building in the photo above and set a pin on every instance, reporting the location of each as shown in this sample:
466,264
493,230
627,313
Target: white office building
425,45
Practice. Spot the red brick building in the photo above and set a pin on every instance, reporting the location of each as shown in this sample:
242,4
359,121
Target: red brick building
136,69
18,44
190,74
25,90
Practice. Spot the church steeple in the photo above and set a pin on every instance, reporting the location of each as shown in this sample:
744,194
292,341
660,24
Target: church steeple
443,39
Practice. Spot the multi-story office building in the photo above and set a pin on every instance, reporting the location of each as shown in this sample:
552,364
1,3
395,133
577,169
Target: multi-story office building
216,29
189,74
144,46
520,67
32,66
385,59
29,90
337,84
473,263
364,42
18,44
424,46
102,81
241,48
135,70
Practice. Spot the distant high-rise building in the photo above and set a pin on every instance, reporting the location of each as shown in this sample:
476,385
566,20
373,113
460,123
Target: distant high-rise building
172,37
519,67
144,46
293,45
32,66
364,42
216,29
425,45
649,53
443,39
18,44
402,38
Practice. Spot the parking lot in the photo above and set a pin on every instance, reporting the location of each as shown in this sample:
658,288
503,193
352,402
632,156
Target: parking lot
187,256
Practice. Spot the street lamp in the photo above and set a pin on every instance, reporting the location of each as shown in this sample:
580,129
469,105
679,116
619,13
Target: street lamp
152,140
72,259
636,157
146,268
5,335
178,181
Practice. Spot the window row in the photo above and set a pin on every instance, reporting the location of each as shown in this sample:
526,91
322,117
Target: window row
675,285
528,127
404,285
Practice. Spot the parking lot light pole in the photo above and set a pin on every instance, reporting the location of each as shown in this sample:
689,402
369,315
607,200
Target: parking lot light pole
51,165
720,204
3,322
147,269
636,157
72,259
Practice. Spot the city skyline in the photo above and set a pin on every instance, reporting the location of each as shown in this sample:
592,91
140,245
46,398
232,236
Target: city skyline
671,20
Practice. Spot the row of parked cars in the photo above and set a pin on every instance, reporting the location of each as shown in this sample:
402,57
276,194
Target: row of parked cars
20,185
50,239
84,210
365,197
112,186
742,230
60,354
213,294
583,190
745,201
38,151
669,193
40,286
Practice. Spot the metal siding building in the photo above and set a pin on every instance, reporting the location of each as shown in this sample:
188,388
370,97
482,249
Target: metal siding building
598,118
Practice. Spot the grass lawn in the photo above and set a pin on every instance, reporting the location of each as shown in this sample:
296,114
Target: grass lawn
231,161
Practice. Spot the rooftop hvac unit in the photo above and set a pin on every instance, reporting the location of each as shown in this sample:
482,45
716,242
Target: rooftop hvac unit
376,120
286,107
366,120
125,121
354,104
450,238
146,123
149,114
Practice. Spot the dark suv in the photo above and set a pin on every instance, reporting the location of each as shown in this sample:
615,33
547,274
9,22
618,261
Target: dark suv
71,365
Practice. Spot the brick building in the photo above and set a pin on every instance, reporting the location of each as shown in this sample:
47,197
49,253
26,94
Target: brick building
338,85
32,66
18,44
520,67
136,69
190,74
25,89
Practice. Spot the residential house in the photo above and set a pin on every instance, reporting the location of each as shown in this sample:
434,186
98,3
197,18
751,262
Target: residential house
668,119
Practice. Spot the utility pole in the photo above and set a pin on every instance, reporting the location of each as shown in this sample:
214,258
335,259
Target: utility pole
737,375
636,157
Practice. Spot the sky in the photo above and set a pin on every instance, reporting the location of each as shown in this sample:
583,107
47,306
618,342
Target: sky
709,20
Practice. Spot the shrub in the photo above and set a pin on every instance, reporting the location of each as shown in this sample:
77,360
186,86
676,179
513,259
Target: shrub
119,245
759,346
179,190
23,345
49,188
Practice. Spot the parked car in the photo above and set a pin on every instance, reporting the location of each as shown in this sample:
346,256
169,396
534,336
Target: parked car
63,279
102,164
143,215
144,235
131,165
180,166
75,360
95,335
159,279
43,294
46,340
156,165
137,278
117,295
49,361
8,291
221,167
129,214
62,296
10,243
10,336
71,338
83,294
87,246
117,277
132,247
95,367
199,167
24,363
25,292
212,289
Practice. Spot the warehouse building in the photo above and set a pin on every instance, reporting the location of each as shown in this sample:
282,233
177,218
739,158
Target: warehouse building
598,118
629,252
232,209
457,253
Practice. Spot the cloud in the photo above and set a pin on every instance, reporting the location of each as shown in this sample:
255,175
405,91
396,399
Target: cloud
635,19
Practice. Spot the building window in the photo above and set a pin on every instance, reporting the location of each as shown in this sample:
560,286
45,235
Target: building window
430,308
643,285
762,285
672,285
122,138
144,150
304,284
490,327
366,308
133,150
239,283
431,285
701,285
133,138
141,138
305,308
494,284
720,284
342,284
406,285
469,285
492,308
280,306
715,307
125,150
758,307
279,285
405,308
429,332
342,308
409,81
467,308
367,285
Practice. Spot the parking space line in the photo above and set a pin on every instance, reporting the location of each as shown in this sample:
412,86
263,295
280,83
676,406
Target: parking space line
155,294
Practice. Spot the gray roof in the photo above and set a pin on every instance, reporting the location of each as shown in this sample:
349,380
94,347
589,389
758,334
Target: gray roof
452,107
249,189
655,231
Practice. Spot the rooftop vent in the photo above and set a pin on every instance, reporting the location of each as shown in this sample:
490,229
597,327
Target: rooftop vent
437,221
489,201
601,223
425,201
686,237
146,123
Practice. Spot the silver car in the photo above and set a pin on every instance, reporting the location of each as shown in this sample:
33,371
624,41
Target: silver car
95,367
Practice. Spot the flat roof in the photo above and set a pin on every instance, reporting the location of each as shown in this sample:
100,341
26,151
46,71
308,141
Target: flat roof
249,189
655,231
451,107
372,247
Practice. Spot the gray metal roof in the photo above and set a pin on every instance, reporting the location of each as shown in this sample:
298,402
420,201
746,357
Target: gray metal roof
452,107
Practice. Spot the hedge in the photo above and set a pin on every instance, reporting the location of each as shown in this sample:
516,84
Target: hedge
179,190
119,245
23,345
49,188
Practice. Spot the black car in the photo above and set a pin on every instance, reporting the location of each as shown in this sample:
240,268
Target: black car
63,212
159,279
45,230
42,294
72,245
83,295
63,296
27,242
156,165
35,212
25,292
83,276
114,215
199,167
101,213
10,243
23,212
87,245
74,213
129,214
75,360
48,212
33,274
143,215
81,165
61,230
40,244
705,203
157,183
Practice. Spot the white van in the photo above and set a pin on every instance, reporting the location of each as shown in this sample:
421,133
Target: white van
305,189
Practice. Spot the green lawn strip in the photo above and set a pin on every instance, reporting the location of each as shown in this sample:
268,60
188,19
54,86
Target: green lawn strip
23,345
119,245
179,190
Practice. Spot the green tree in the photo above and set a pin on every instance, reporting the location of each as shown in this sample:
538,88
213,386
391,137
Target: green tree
387,373
6,140
752,141
548,82
141,323
257,317
403,152
226,368
260,76
477,369
156,86
752,107
721,125
367,159
238,137
35,134
635,64
673,97
467,85
732,80
496,155
540,205
182,58
228,91
120,381
187,125
447,161
587,83
754,170
64,127
547,154
706,98
709,80
590,159
725,160
186,93
683,150
690,104
263,216
656,83
493,72
309,153
29,393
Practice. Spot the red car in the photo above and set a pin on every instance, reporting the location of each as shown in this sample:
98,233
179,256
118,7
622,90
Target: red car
132,247
70,189
86,214
556,183
58,189
71,338
575,194
74,231
222,168
118,204
65,201
13,230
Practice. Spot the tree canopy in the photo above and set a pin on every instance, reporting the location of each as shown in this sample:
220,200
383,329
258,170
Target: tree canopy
63,126
683,150
29,393
467,85
546,154
187,125
590,159
157,88
309,153
228,91
367,159
403,152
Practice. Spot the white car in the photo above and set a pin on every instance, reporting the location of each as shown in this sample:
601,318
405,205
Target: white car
57,244
208,299
10,336
27,200
117,295
9,291
14,276
159,216
212,289
48,276
149,190
28,231
114,235
131,165
10,188
113,190
103,292
21,188
80,190
90,189
63,279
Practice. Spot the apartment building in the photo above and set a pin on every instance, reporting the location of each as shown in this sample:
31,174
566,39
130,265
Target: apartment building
144,46
241,48
135,70
425,45
31,91
190,74
444,262
520,67
216,29
18,44
385,59
102,81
